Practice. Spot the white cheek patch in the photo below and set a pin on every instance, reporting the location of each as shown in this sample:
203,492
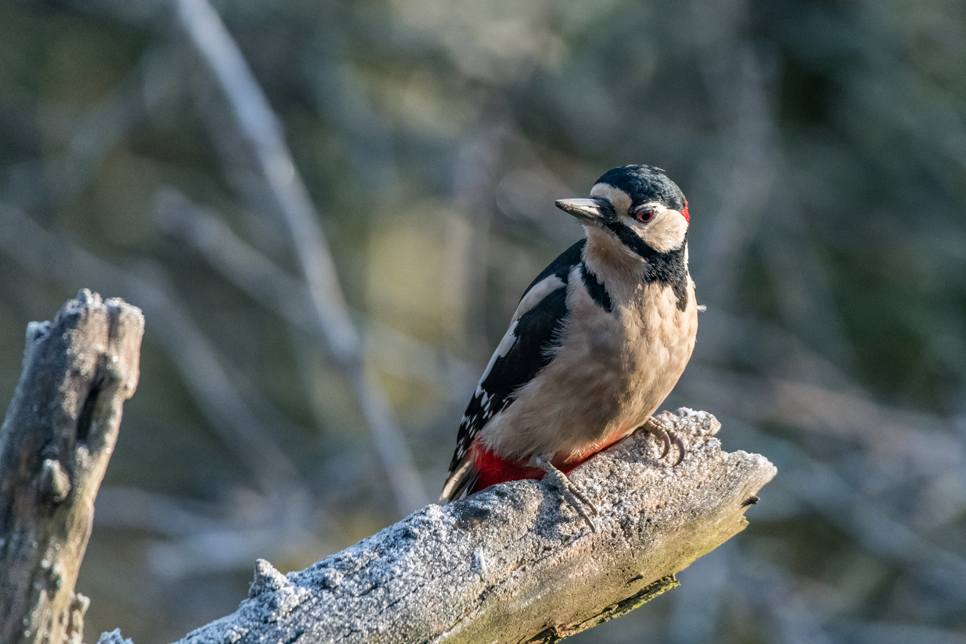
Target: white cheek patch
535,295
620,199
665,232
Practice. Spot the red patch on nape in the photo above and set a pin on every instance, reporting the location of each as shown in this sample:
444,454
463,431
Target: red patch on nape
687,215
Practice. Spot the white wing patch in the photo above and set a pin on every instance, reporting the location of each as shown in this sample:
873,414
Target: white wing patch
535,295
504,348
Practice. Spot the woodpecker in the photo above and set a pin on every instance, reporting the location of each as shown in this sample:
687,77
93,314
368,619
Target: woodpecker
597,342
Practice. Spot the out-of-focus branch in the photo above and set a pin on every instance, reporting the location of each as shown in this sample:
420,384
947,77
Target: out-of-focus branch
265,282
226,408
218,399
287,508
55,444
752,163
773,592
515,563
828,492
480,163
261,131
150,87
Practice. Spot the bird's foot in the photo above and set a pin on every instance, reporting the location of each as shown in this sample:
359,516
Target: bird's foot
660,430
574,495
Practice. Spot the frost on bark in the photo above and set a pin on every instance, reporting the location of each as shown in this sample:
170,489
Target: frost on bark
55,444
514,563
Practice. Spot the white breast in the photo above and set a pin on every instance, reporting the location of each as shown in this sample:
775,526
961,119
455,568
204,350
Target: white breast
611,372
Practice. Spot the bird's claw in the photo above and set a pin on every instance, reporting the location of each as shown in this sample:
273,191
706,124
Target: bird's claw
682,449
659,430
574,495
666,438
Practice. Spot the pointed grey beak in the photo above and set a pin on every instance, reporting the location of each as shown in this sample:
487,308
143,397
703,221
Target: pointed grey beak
586,210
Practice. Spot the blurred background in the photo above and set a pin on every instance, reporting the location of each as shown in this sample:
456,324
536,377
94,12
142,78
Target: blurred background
328,211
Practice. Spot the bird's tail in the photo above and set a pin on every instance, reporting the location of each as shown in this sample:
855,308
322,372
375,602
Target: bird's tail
460,482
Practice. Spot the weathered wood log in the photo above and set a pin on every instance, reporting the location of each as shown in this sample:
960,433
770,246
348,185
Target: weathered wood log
514,563
55,444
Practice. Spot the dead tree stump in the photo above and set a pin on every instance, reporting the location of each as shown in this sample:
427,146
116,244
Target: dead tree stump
55,444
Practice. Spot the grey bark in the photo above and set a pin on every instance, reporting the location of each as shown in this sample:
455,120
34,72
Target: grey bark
514,563
55,444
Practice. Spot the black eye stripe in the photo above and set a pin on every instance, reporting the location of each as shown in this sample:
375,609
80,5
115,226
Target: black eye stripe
630,239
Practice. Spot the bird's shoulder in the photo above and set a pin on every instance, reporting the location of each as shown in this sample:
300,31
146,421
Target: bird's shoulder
560,267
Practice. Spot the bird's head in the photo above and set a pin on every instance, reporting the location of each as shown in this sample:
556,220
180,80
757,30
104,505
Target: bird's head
637,203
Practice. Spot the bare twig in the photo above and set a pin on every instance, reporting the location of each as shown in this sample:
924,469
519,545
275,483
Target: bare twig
55,444
261,131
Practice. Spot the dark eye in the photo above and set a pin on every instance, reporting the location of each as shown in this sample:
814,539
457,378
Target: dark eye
644,215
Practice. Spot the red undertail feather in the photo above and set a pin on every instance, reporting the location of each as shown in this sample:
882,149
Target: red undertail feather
494,469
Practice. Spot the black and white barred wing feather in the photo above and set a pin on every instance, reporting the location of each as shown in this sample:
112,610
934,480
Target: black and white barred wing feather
527,347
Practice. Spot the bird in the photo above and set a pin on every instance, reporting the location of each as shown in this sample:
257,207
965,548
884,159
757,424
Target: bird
597,342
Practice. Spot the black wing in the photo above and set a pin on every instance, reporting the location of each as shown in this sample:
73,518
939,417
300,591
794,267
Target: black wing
527,347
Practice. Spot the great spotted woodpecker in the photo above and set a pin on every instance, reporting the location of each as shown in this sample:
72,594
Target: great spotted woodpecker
598,341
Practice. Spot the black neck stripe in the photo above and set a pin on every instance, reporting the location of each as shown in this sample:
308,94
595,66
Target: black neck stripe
664,268
596,289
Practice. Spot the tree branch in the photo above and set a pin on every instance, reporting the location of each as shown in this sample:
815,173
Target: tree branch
259,127
514,563
55,444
